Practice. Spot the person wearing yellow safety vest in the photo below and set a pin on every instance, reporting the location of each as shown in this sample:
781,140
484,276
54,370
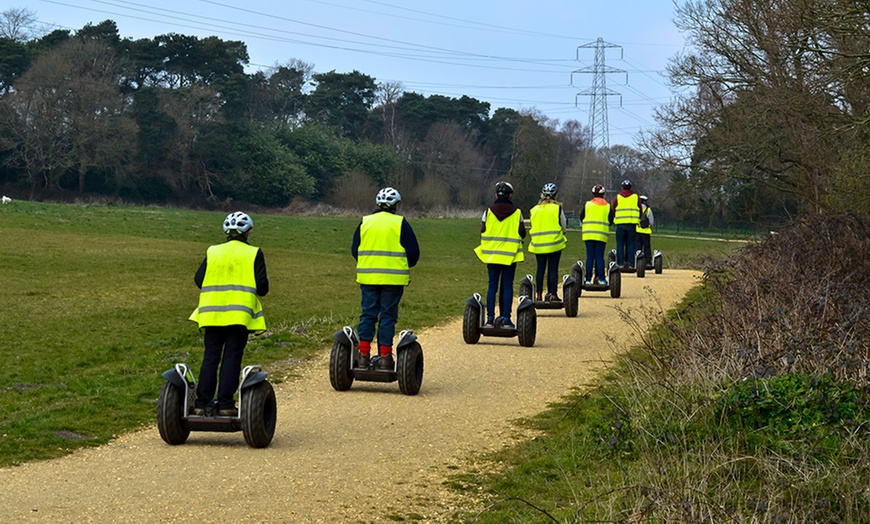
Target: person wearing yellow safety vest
548,225
596,225
385,248
231,279
625,213
644,230
501,246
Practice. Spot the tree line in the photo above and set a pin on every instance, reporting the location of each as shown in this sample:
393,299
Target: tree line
768,120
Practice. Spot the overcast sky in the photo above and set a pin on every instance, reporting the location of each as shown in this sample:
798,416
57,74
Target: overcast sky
517,54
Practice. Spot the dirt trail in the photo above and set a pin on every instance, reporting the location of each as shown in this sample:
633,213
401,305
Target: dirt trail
356,456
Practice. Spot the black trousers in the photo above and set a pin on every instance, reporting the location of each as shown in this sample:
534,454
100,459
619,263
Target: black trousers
224,347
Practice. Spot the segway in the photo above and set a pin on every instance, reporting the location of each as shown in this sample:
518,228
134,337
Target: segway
638,266
614,282
569,294
344,359
255,419
473,322
643,265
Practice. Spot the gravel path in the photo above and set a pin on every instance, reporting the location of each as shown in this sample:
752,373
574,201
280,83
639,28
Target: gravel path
369,454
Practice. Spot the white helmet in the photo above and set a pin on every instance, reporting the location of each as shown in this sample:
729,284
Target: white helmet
238,221
550,190
388,197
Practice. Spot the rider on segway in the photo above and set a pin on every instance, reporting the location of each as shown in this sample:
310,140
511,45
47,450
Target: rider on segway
385,248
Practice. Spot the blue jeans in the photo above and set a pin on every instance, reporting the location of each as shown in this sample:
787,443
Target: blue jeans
625,244
595,259
548,262
380,305
504,275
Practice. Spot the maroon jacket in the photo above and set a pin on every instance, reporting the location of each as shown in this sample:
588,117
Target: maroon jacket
625,193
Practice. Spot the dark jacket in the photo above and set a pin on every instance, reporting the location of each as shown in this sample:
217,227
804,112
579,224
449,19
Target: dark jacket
408,240
502,208
259,272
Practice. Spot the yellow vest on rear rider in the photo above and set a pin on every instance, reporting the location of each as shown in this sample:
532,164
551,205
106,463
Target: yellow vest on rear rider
644,230
546,232
381,259
627,210
595,224
501,242
229,289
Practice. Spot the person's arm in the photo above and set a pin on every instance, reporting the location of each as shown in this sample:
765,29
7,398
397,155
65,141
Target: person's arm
409,241
563,220
522,228
200,273
354,245
260,276
483,221
652,219
612,213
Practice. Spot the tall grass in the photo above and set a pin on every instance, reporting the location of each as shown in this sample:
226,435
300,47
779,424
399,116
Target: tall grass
749,403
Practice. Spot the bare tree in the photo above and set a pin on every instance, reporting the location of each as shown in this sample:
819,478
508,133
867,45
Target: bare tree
20,24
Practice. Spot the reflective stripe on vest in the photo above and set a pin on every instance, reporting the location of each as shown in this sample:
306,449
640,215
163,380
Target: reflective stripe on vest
546,231
381,259
595,225
644,230
501,242
627,211
229,289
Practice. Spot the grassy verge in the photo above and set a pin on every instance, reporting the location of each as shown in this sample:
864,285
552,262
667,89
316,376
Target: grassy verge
749,403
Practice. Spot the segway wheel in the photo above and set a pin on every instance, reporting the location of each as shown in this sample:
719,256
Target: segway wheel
640,264
471,324
410,369
570,295
170,415
527,326
526,289
657,264
340,375
615,284
577,275
259,414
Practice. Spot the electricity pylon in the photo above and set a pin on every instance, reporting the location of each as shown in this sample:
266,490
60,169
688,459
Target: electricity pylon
599,92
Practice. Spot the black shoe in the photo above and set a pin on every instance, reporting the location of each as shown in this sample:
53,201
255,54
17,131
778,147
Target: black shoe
385,362
363,361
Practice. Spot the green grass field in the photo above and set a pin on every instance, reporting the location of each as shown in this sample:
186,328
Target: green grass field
95,301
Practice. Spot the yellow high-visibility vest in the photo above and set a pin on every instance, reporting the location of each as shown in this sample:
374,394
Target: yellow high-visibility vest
627,211
595,224
501,242
644,230
229,289
381,259
546,231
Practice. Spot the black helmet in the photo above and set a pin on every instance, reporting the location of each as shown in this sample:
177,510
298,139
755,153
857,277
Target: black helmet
626,184
598,189
503,189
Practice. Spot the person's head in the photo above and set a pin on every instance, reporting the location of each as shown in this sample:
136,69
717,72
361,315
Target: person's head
626,184
644,199
549,191
504,189
598,191
237,225
388,198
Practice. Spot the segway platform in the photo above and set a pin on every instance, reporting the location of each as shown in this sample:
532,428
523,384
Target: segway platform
569,292
256,416
345,357
614,283
473,326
